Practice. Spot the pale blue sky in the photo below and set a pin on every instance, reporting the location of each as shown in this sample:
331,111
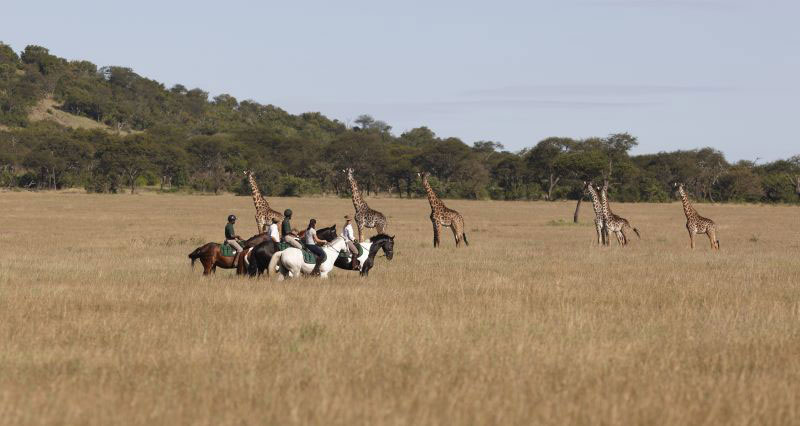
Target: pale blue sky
679,74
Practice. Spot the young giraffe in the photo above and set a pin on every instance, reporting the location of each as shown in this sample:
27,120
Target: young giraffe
612,222
442,216
264,213
602,235
695,223
365,216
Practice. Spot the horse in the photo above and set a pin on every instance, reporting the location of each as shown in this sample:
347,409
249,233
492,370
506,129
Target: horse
367,259
210,255
291,260
262,253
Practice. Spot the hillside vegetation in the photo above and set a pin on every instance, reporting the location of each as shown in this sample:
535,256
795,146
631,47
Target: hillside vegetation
74,124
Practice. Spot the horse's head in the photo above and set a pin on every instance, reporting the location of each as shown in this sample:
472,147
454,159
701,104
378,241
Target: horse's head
328,234
386,243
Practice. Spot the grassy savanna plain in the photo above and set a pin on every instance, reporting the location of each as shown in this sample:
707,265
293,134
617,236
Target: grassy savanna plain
102,321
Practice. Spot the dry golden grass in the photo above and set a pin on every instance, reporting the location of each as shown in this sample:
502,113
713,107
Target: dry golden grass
103,322
47,109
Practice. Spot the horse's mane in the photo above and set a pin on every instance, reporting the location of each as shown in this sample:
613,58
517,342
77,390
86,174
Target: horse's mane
379,237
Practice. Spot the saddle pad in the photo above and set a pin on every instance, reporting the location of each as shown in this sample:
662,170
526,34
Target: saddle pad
309,257
345,254
226,250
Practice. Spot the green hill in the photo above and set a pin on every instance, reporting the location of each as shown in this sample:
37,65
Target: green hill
74,124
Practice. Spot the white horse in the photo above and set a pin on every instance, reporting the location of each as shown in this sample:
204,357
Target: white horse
291,264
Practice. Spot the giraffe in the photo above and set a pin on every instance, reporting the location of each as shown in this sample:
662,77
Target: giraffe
365,216
602,235
695,223
442,216
612,222
264,213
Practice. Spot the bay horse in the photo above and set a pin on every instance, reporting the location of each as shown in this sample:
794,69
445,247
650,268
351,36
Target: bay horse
210,255
367,259
262,253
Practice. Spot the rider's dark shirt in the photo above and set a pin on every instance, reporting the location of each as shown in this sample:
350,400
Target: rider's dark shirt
229,232
286,227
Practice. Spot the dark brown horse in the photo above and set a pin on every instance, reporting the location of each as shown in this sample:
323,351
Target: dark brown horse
210,255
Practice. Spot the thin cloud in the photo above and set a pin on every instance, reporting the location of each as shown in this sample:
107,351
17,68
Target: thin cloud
693,4
603,91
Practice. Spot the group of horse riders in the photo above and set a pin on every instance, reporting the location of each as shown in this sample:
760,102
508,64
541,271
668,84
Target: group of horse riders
292,238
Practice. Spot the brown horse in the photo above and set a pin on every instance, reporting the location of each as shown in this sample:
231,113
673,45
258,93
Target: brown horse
211,257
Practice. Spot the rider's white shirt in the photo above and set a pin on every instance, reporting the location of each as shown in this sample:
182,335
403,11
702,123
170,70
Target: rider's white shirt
273,233
310,234
347,234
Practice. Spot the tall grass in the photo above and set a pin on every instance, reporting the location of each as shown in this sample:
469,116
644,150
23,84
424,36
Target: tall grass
102,321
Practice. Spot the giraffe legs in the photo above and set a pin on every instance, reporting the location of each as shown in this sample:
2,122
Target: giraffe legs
360,226
436,230
712,237
691,239
456,233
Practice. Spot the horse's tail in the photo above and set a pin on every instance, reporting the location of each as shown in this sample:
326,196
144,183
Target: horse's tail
464,234
195,255
274,261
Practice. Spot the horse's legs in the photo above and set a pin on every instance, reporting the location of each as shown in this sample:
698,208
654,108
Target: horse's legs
206,266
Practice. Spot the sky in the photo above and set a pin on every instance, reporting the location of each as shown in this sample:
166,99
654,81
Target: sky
677,74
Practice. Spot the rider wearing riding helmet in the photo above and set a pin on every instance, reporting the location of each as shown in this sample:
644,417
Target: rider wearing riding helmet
311,241
230,235
289,236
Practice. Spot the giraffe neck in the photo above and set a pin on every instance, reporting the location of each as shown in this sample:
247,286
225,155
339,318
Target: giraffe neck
604,202
687,206
256,192
595,199
358,202
432,198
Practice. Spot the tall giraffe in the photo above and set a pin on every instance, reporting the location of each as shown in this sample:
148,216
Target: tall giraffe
264,213
612,222
602,235
695,223
442,216
365,216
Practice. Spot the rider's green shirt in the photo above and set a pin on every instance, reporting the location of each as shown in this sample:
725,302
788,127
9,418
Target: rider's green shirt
229,232
286,227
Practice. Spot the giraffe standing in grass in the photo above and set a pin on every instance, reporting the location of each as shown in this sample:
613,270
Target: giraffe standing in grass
602,235
264,213
695,223
612,222
442,216
365,216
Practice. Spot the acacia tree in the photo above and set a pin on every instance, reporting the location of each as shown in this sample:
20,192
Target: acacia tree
543,162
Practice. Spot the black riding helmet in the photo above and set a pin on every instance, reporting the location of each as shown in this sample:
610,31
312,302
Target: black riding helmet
287,212
232,218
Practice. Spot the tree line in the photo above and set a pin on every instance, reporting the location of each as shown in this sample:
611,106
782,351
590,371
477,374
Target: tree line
179,139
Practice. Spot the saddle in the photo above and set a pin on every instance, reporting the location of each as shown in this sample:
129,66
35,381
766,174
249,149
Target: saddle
308,257
345,253
227,250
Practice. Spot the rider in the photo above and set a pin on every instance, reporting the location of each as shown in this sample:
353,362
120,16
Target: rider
272,232
230,235
289,236
311,245
347,234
